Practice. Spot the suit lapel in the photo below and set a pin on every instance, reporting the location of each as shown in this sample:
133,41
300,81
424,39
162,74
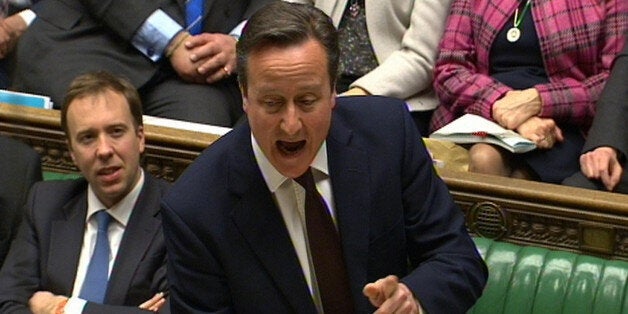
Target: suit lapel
258,219
348,167
66,239
142,227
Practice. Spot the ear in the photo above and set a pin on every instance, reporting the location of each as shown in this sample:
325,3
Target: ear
70,150
332,101
245,103
142,138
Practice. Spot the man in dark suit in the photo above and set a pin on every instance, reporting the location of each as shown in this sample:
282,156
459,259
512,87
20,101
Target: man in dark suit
50,265
239,224
20,166
178,76
604,153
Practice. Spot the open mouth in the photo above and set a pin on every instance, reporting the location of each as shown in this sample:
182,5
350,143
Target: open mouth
109,173
290,148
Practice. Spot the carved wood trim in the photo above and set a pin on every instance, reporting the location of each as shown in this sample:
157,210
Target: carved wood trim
541,214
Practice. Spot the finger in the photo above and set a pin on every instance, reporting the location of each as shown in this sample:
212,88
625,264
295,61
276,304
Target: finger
543,143
558,134
607,169
195,41
157,306
151,301
211,65
585,165
614,178
218,75
390,285
372,291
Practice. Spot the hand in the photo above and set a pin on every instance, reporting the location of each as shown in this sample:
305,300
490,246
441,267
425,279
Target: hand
543,132
602,164
11,29
355,91
181,61
44,302
215,54
155,303
391,296
516,107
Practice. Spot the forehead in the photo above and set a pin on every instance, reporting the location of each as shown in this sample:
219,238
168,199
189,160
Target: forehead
99,108
281,62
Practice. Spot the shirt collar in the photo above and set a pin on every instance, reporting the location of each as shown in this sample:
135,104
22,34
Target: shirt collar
120,211
274,179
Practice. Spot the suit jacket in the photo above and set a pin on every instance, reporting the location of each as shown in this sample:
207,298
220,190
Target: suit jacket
229,249
46,251
406,53
20,166
71,37
611,117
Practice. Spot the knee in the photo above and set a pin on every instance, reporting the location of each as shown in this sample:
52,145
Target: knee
485,158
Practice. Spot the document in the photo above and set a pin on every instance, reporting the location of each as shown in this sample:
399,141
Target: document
25,99
472,128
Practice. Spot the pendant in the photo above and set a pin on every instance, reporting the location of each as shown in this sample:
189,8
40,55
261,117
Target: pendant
354,9
513,34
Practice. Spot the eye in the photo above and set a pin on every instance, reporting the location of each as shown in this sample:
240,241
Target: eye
307,102
85,139
272,104
117,132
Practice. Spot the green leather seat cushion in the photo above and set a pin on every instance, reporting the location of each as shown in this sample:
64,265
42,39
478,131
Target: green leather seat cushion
528,279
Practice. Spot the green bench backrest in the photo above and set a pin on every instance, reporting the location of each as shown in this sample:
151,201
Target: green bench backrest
49,175
527,279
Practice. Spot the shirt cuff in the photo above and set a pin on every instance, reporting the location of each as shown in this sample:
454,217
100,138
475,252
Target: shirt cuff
28,16
237,31
74,306
155,34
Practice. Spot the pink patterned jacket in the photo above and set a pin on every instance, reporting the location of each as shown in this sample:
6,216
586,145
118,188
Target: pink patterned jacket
579,40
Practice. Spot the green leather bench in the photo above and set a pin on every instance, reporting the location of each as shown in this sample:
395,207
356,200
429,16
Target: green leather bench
49,175
529,279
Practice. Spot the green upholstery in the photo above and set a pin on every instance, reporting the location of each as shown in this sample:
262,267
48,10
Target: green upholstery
527,279
49,175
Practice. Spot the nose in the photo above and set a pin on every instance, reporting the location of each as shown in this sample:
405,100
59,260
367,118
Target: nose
104,149
291,121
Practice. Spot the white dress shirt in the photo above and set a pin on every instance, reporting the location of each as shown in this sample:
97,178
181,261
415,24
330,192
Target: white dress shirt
120,213
290,198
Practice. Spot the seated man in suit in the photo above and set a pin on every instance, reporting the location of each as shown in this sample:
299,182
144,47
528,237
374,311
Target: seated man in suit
95,244
604,153
180,55
317,203
20,167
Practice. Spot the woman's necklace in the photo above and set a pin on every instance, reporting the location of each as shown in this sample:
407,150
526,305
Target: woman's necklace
514,33
354,8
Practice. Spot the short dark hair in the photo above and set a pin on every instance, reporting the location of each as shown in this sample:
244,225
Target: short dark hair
95,83
286,24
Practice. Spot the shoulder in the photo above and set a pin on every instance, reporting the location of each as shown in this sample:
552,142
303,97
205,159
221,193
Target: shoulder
15,148
50,197
158,184
369,110
60,190
372,121
216,164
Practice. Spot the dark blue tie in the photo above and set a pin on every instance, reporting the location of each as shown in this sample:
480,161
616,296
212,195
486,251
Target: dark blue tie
193,16
95,284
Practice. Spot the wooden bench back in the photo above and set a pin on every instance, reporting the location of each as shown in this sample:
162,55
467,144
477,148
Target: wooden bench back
518,211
